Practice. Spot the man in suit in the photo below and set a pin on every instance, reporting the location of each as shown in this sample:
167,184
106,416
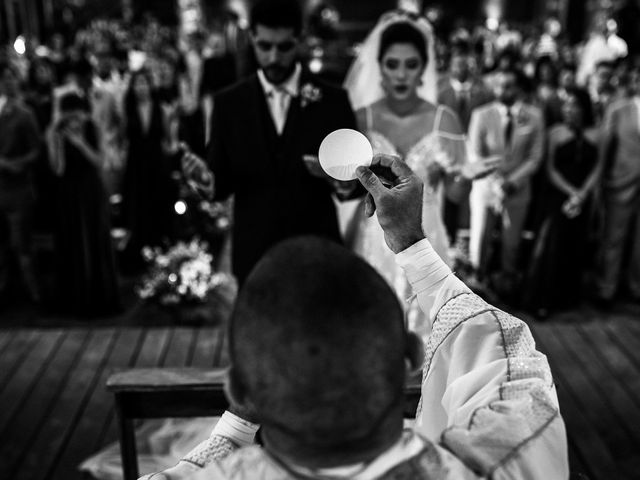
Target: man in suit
600,88
266,131
463,94
621,192
513,131
20,144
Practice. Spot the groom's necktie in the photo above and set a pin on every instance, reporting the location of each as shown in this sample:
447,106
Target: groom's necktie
278,100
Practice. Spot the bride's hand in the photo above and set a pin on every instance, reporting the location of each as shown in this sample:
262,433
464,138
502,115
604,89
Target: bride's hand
481,168
435,174
399,206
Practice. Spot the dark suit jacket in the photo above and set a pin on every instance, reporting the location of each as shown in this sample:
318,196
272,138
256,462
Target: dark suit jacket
478,96
275,197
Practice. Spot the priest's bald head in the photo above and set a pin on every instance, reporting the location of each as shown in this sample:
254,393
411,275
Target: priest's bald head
319,352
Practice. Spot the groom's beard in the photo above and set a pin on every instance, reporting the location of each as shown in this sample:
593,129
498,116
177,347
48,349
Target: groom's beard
277,74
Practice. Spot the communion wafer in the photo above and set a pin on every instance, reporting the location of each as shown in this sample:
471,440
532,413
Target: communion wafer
342,152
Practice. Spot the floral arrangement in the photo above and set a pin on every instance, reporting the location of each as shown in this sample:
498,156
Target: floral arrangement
181,274
218,215
309,93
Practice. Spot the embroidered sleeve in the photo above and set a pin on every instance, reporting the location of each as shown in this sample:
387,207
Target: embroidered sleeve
496,389
229,434
214,449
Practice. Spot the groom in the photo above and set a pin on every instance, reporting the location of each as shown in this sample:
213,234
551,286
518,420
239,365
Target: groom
266,131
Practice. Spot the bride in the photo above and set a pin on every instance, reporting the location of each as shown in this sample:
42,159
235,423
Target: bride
392,86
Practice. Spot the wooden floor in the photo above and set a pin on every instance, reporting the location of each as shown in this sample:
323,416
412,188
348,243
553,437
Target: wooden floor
55,412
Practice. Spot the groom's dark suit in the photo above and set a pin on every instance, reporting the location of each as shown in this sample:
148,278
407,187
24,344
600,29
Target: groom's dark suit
275,196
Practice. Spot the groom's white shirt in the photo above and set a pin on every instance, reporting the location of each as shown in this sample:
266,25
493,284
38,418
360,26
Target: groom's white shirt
279,96
488,405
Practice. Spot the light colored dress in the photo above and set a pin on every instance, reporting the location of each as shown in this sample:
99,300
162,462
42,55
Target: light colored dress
434,155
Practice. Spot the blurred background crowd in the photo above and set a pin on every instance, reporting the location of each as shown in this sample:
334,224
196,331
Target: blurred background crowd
146,73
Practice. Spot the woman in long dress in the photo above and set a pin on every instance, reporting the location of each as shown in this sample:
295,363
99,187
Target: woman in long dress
147,189
86,274
554,279
403,122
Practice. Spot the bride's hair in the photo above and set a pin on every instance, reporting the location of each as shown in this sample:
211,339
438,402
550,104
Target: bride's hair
403,32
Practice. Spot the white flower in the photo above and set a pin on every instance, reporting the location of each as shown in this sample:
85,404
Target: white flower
309,93
181,273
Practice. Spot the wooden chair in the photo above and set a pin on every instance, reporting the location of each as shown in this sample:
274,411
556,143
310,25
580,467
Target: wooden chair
182,392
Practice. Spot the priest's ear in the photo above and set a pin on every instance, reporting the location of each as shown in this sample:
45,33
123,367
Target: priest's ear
239,402
414,353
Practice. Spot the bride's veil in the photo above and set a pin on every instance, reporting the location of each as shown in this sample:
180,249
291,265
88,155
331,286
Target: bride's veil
363,81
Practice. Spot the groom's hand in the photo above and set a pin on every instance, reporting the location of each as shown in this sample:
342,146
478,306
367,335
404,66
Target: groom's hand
196,172
398,206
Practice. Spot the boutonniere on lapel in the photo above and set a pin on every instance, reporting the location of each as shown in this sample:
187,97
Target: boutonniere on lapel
522,118
309,93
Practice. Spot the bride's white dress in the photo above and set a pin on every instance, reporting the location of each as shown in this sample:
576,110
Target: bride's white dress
435,152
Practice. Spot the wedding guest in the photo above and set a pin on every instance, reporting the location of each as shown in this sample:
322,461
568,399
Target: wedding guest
86,275
325,379
561,249
546,90
567,81
506,60
39,92
191,55
110,78
219,69
266,132
218,73
462,93
167,80
600,89
621,191
513,131
39,96
20,144
58,55
104,110
147,192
